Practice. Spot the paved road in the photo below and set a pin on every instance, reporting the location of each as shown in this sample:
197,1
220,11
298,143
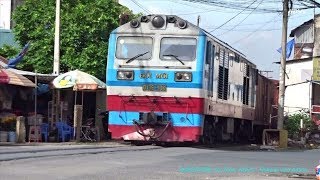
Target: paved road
118,161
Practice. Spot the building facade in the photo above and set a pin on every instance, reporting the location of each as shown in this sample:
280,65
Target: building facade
302,87
6,9
5,14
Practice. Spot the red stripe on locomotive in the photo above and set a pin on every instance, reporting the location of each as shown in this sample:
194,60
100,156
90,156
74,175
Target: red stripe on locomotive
160,104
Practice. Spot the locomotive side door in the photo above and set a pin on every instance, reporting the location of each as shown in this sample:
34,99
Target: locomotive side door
210,62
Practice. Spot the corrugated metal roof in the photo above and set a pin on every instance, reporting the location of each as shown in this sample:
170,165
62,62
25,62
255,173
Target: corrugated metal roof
293,31
41,77
16,79
3,64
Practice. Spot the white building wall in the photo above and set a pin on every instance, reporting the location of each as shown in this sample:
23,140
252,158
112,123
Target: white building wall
297,98
5,14
298,91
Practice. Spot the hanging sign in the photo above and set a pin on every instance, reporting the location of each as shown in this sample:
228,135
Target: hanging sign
316,69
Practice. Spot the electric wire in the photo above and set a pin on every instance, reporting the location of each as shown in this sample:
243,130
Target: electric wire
233,17
268,7
142,7
239,40
257,23
242,20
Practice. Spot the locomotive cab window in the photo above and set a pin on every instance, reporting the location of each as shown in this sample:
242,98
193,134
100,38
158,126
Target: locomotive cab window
139,48
178,48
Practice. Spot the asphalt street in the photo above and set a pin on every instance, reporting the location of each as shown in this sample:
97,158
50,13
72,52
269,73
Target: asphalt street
118,161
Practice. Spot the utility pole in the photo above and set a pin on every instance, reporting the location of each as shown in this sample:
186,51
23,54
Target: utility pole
283,64
56,63
56,58
267,72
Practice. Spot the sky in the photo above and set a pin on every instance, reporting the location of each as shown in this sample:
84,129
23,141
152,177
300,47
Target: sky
256,35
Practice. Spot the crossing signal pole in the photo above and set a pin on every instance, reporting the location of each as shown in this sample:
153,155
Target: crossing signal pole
283,64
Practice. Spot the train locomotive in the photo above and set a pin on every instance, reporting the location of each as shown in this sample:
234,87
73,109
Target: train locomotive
168,80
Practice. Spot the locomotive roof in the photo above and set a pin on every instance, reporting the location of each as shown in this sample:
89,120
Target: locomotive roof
193,28
224,44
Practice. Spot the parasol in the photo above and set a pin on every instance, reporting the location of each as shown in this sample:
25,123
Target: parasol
79,81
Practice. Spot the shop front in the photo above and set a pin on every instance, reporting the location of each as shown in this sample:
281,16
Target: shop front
16,99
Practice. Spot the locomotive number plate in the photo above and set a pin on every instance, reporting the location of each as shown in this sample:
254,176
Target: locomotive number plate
154,87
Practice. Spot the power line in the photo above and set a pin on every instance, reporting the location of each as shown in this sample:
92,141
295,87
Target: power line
257,23
235,5
233,17
269,6
252,32
271,29
143,8
204,10
242,20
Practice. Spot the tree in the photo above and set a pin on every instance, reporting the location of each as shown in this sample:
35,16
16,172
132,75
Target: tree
292,124
8,51
85,27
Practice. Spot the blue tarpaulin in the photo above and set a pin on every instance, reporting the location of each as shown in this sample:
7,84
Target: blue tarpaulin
289,46
14,61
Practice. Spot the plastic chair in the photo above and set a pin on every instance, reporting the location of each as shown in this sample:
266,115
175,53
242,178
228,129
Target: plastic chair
64,131
45,131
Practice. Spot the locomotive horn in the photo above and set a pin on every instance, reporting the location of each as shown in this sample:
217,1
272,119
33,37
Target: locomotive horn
134,23
171,19
182,24
158,22
144,19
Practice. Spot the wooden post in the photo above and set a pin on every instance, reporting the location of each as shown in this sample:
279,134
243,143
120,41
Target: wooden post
21,130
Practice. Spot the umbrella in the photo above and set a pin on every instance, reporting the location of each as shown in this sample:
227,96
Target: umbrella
78,80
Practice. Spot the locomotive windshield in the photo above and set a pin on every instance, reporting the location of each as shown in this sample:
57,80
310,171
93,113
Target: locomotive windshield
178,48
132,46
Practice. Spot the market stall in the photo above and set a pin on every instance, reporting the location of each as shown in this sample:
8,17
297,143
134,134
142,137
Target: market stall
16,99
81,82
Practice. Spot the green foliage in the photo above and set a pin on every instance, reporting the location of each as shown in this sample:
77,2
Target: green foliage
8,51
85,27
292,124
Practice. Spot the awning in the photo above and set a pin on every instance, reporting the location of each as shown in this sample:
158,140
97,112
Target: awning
8,77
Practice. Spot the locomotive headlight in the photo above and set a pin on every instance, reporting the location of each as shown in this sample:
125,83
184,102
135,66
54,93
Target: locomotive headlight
186,76
178,76
125,75
183,76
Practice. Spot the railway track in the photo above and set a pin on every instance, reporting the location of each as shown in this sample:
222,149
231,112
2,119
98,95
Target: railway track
67,151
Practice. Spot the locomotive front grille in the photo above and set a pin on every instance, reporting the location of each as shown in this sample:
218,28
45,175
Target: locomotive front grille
152,118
